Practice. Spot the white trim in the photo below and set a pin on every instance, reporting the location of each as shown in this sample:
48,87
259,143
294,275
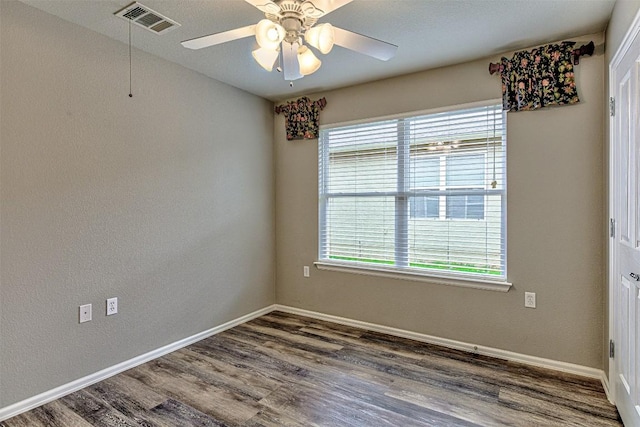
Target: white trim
612,214
571,368
406,274
627,42
605,385
63,390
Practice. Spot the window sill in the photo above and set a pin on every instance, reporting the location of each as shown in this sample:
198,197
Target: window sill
467,282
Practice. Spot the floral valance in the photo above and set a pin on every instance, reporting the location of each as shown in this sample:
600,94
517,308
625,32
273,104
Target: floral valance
301,117
538,78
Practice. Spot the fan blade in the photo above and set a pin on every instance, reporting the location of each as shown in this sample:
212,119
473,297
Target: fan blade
265,6
218,38
290,61
363,44
324,6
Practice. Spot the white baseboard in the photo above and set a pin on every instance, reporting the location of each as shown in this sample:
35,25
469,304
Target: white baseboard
605,384
458,345
63,390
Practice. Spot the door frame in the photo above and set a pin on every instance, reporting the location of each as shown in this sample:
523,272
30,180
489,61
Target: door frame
632,33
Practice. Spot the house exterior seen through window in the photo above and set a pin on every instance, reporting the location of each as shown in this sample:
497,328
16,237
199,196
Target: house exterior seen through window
422,193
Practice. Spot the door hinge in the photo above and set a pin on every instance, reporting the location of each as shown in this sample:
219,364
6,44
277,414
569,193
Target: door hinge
612,106
612,349
612,227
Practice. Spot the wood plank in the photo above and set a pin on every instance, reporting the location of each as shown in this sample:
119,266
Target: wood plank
129,400
268,417
96,411
53,414
250,382
125,387
295,339
466,408
559,411
245,356
339,378
282,317
175,413
218,403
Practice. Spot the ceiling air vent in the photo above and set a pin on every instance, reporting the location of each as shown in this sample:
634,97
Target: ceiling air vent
146,18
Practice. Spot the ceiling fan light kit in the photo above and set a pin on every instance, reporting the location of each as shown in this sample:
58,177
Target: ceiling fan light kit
269,34
266,57
287,25
307,61
321,37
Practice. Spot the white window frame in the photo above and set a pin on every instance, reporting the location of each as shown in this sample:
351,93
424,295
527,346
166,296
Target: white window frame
398,272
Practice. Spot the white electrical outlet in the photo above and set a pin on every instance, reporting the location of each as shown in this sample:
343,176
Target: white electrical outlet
112,306
530,299
85,313
305,271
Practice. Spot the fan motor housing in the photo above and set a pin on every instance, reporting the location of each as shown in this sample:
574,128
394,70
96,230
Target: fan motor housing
293,27
305,13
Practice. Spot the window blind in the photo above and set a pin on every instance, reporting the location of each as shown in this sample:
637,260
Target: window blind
426,193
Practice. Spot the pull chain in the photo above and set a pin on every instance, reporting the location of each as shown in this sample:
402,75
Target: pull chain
130,91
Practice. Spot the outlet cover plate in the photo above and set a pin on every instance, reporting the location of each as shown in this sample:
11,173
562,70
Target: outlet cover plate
530,299
112,306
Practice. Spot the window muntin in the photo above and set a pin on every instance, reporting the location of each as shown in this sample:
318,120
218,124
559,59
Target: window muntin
469,206
424,193
424,207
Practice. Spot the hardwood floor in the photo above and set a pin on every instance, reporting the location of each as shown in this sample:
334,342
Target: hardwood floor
287,370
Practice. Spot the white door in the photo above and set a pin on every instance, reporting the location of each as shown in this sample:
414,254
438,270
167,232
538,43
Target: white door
625,247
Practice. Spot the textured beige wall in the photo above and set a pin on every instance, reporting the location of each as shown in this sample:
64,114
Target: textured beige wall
555,239
622,17
165,200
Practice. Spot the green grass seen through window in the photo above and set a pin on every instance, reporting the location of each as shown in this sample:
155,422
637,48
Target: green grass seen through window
435,265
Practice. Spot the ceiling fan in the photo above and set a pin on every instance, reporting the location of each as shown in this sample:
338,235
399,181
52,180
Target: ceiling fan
288,24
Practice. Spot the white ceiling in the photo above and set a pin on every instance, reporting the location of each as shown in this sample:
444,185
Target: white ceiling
428,33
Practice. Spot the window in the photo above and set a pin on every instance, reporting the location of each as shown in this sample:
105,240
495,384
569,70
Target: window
424,194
